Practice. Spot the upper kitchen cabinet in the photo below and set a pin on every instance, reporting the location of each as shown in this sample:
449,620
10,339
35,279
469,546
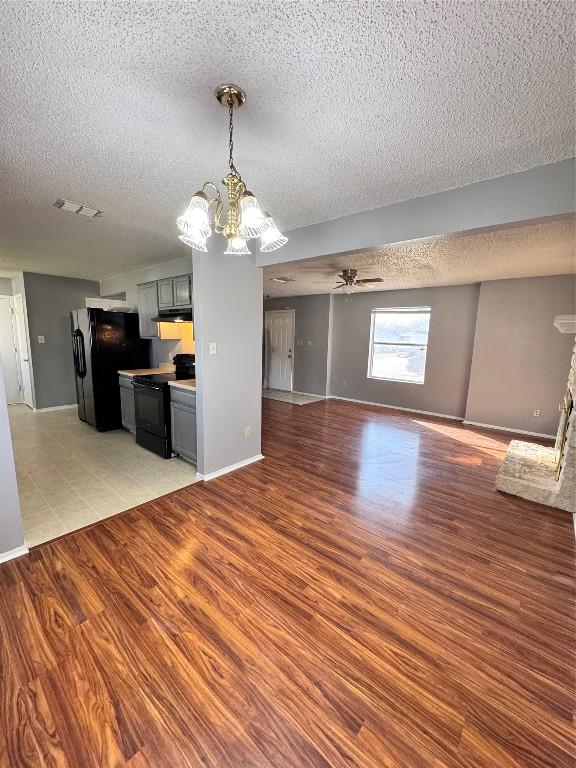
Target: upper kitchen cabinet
175,292
182,290
147,309
166,293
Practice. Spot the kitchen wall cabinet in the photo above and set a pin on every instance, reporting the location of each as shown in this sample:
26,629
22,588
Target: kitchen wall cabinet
182,291
127,403
166,293
147,309
183,413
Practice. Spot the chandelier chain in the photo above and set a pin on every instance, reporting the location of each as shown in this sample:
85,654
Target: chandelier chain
231,165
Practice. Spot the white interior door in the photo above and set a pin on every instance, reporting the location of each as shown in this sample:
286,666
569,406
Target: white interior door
279,329
9,351
23,349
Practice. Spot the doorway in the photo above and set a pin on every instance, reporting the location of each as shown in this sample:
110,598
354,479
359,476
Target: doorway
23,350
9,357
279,349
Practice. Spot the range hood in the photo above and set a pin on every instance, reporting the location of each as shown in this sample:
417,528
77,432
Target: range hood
174,316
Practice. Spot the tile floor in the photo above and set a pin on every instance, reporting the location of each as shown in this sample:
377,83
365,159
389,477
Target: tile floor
70,475
296,398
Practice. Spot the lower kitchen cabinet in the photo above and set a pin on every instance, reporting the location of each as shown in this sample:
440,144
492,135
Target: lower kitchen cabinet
127,403
183,413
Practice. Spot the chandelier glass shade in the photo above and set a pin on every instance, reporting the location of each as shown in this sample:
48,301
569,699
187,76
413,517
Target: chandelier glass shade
240,218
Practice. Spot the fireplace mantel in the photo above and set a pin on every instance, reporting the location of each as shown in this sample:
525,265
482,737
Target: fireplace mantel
565,323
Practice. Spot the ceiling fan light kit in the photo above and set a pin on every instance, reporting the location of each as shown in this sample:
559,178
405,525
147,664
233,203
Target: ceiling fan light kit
244,218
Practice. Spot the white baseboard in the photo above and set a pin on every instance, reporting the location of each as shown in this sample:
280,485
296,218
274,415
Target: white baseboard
508,429
396,408
55,408
230,468
12,553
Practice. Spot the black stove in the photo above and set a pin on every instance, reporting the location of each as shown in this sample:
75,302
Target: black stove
158,380
152,406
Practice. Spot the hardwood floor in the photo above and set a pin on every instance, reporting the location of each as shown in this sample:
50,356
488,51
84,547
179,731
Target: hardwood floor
362,597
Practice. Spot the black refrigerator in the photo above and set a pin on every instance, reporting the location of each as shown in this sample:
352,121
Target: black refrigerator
103,343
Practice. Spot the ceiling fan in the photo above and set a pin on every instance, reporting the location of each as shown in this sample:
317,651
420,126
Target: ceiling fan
349,280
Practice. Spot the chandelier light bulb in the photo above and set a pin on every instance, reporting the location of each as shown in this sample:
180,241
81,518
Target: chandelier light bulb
238,217
195,217
252,220
237,247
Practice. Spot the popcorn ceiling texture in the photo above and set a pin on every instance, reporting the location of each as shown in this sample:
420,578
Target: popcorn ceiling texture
532,249
351,105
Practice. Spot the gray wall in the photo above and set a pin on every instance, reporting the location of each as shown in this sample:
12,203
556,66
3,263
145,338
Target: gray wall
49,300
312,321
450,344
228,312
520,360
544,191
11,535
162,350
6,287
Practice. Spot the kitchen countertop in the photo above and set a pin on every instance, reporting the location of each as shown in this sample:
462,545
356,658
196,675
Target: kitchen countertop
145,371
183,384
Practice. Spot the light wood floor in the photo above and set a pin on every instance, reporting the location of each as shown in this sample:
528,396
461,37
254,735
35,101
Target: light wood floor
362,597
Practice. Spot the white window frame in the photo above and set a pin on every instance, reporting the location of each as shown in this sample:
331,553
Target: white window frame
396,310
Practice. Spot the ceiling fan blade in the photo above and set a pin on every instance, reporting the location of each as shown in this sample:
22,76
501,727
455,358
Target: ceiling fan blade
340,285
370,280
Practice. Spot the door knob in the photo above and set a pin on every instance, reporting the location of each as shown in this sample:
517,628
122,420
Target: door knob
289,357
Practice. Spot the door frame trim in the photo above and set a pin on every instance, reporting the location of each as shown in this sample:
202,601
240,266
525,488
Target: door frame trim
24,347
283,311
16,341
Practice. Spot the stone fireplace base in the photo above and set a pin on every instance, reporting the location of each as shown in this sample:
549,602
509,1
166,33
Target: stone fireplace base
529,471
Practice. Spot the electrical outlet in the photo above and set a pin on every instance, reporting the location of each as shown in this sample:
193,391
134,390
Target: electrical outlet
247,432
345,384
536,412
41,340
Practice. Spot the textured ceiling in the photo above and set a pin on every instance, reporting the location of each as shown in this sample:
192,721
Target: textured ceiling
545,247
351,105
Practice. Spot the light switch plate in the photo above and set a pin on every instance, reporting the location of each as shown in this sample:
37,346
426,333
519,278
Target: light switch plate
212,348
41,340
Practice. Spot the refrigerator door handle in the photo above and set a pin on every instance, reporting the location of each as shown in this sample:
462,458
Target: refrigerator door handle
75,353
80,356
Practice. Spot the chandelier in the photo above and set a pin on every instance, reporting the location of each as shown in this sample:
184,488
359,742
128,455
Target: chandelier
243,219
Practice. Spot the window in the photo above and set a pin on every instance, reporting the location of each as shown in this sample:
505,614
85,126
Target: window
398,344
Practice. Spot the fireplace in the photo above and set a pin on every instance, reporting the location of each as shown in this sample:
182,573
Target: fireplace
547,474
566,407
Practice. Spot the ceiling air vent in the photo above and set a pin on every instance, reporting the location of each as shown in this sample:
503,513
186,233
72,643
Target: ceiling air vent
282,279
81,210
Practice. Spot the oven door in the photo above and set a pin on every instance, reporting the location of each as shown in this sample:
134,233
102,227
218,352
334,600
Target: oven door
149,410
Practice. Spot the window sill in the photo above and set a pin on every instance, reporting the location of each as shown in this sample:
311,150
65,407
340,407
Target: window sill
397,381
